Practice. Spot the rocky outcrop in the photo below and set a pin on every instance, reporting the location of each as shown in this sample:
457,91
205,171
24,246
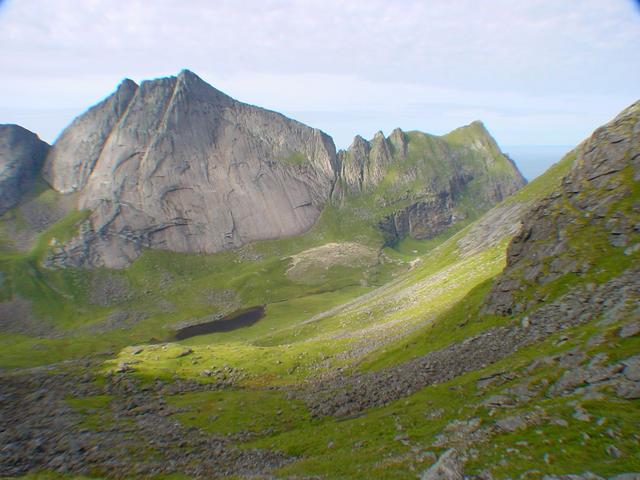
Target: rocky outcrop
448,467
449,162
176,164
616,300
425,179
421,220
21,156
40,431
595,209
364,164
74,155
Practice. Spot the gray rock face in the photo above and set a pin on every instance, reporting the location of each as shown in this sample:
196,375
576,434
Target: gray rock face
175,164
426,178
606,169
74,155
364,164
21,156
421,220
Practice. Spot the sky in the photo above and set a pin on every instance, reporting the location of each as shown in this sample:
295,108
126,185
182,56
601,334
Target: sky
537,73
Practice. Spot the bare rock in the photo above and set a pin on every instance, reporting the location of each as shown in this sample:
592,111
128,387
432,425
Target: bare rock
184,352
569,381
152,160
629,330
594,184
581,414
613,451
499,401
431,209
448,467
628,390
22,154
512,423
632,368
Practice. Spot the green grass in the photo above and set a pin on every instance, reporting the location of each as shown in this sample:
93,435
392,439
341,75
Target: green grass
423,309
171,288
425,296
296,158
370,446
259,412
90,409
374,445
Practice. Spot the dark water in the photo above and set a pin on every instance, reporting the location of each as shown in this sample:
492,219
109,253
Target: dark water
233,321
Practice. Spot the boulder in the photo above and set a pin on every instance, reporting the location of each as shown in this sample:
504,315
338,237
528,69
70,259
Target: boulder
448,467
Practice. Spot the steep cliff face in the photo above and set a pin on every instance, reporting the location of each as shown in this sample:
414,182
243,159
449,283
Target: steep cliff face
21,156
433,181
176,164
74,155
593,218
364,164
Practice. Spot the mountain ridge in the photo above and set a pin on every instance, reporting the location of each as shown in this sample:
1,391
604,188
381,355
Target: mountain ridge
181,144
147,159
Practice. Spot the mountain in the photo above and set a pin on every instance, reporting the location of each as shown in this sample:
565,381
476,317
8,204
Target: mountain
505,346
536,372
438,181
508,349
201,203
175,164
22,154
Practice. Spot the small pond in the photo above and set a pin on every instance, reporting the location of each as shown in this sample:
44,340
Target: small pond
233,321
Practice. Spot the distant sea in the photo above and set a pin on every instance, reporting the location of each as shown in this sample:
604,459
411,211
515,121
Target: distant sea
532,160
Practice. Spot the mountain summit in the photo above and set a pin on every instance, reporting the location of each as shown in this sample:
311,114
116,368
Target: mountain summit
178,165
175,164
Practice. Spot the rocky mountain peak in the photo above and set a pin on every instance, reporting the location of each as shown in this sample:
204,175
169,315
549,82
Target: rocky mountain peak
365,163
127,84
75,153
359,143
398,140
379,137
476,136
149,161
21,156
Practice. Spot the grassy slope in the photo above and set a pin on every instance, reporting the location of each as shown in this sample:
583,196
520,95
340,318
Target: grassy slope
402,316
392,441
166,288
171,288
424,309
433,304
403,183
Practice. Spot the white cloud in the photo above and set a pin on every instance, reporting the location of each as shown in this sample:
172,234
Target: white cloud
540,71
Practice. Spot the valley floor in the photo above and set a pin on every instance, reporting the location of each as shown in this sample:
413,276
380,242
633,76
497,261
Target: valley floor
567,403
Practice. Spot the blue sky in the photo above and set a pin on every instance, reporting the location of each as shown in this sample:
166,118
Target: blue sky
541,72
